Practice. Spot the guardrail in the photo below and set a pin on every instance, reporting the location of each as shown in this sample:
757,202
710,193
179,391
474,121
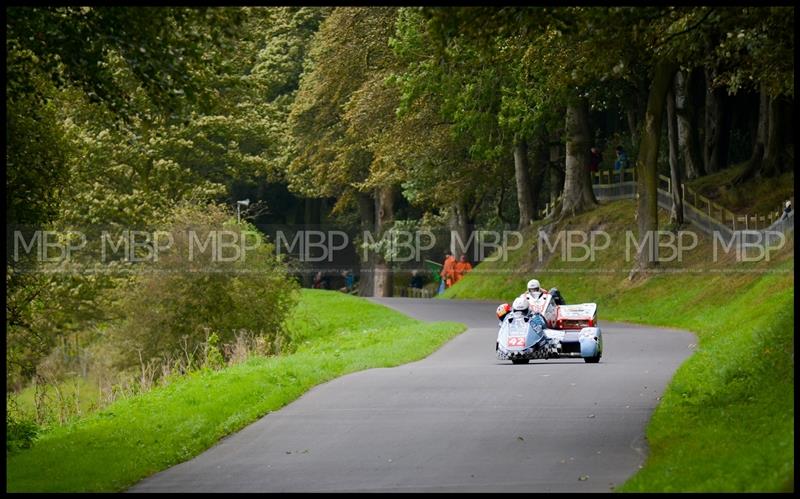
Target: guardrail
412,292
549,206
610,185
613,177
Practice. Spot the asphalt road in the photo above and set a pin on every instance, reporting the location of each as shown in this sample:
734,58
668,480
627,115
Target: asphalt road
458,420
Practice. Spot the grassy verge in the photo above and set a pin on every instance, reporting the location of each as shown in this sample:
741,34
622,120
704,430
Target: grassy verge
726,420
111,450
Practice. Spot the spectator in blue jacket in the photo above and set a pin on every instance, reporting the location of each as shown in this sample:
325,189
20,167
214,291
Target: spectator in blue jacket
622,161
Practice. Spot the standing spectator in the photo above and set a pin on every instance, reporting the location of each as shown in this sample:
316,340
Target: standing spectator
318,282
349,280
787,210
462,267
448,269
621,163
595,159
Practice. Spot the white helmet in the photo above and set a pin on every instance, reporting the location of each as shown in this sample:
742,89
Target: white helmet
533,286
521,304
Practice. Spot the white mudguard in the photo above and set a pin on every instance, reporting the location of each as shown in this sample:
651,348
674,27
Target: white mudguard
591,340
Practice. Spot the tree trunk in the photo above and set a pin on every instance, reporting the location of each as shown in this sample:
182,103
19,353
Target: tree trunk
635,109
688,140
633,123
458,223
499,206
366,212
538,172
384,217
773,154
555,171
578,193
311,219
717,126
674,165
524,198
759,144
647,164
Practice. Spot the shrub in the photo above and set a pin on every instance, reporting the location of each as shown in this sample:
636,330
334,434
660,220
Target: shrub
172,304
213,356
21,430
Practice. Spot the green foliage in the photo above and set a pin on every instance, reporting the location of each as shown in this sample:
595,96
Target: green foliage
744,45
36,149
196,286
213,358
20,433
115,115
44,305
165,50
343,104
758,46
447,140
21,430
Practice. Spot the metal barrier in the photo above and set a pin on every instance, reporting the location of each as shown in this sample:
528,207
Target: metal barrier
697,209
407,292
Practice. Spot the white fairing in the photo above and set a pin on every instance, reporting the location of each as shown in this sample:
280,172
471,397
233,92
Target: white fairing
589,338
582,311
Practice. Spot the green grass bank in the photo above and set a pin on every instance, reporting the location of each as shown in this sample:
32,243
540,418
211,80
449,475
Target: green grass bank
726,419
131,439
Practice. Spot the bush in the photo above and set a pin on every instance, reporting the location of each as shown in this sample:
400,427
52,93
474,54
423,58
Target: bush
21,431
171,307
213,357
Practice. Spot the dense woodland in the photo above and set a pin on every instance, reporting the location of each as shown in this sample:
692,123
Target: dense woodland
370,116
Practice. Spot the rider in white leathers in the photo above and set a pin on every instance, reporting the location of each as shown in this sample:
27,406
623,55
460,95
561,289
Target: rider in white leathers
535,291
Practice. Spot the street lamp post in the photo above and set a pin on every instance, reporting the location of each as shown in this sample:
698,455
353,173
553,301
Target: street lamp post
244,202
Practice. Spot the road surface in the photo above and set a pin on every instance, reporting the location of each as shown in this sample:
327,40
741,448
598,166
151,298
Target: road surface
456,421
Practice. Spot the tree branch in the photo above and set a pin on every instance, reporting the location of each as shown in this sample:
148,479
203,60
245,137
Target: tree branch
690,28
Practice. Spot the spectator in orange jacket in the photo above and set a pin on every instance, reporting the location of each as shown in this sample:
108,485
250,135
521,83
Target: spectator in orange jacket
462,267
448,269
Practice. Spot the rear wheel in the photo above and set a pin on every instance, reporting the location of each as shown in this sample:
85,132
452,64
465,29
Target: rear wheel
592,360
520,361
